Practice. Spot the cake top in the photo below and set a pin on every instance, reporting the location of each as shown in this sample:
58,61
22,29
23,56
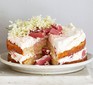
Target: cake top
22,28
39,27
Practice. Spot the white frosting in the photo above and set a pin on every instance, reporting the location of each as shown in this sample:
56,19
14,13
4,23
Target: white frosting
20,58
69,38
23,42
73,57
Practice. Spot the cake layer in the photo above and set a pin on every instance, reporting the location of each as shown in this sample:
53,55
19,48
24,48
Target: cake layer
13,47
29,59
23,42
72,51
74,57
17,58
35,49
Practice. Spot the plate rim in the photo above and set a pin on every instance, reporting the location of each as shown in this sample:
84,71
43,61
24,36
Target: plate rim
47,66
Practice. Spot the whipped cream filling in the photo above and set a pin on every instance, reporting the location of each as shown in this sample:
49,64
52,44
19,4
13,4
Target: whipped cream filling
70,37
77,56
18,57
23,42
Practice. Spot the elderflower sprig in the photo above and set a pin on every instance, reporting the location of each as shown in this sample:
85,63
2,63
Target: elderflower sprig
22,28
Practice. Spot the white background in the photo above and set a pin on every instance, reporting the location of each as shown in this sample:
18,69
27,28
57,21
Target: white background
79,12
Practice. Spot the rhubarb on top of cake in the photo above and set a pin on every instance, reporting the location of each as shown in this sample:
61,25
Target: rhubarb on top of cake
23,28
25,33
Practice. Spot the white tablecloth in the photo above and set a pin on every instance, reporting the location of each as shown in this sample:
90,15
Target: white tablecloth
10,77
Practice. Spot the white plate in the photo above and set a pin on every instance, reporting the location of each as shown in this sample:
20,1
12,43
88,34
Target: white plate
51,69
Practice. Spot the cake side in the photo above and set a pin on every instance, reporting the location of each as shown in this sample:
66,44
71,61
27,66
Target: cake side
71,41
35,48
